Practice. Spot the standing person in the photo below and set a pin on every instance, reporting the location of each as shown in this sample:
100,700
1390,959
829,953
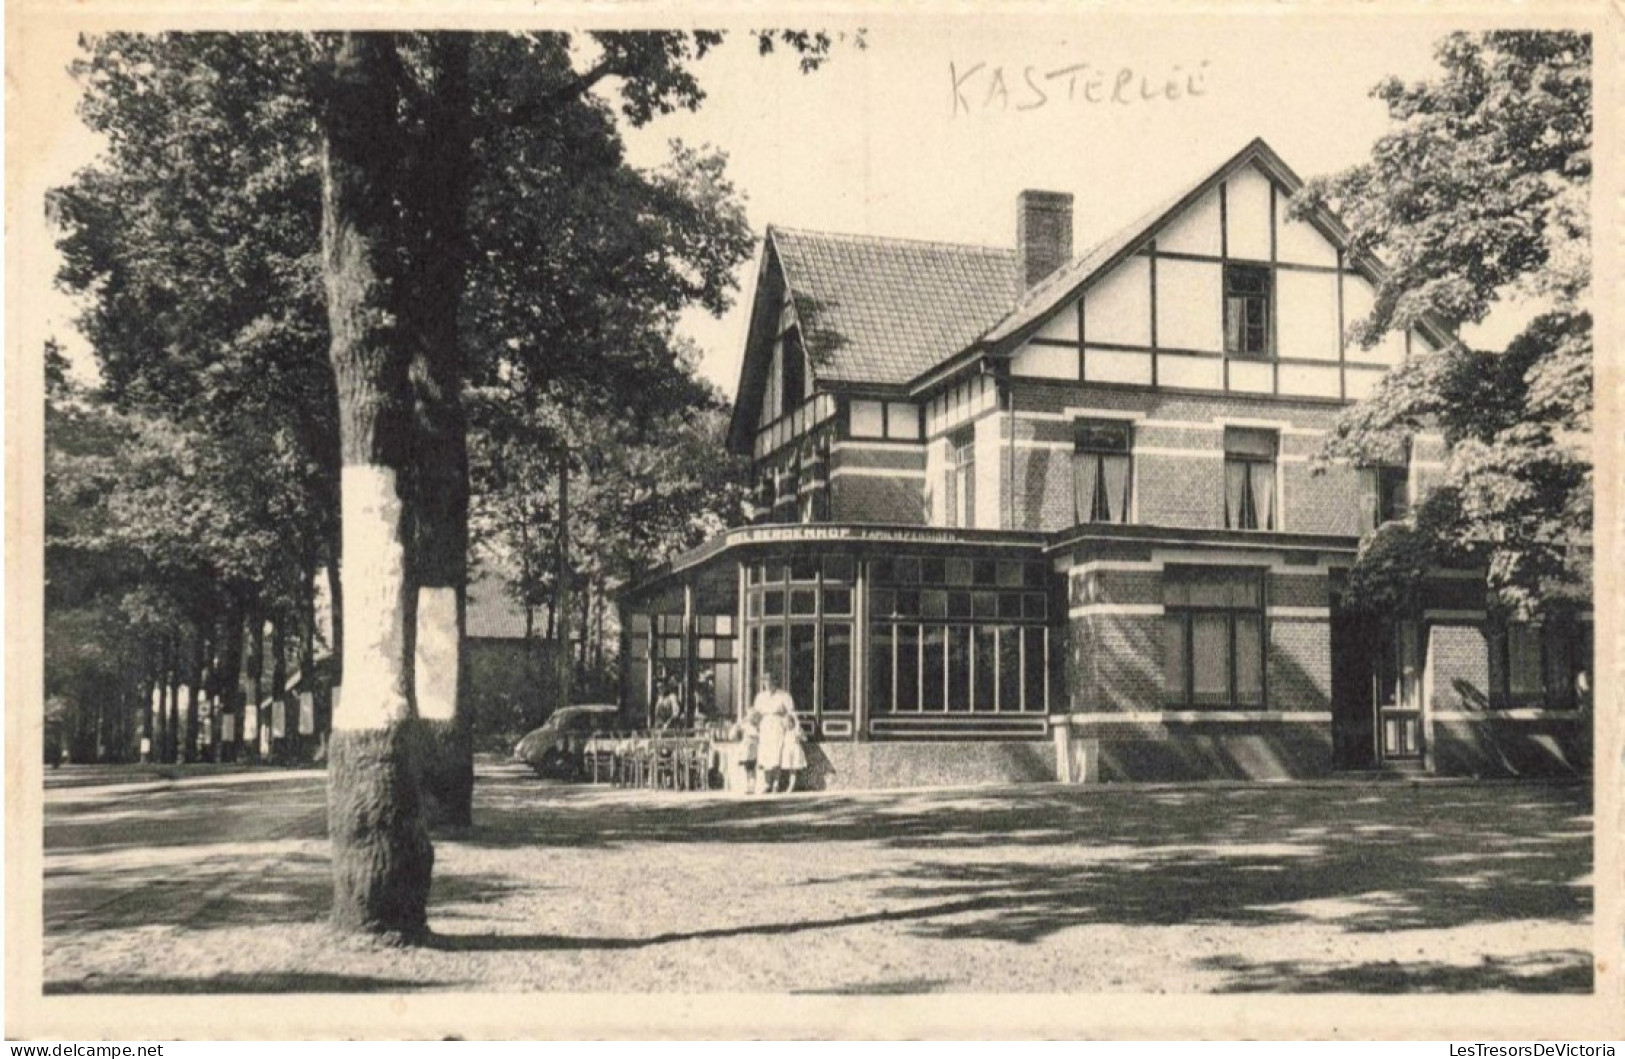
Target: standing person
792,758
775,712
747,731
667,707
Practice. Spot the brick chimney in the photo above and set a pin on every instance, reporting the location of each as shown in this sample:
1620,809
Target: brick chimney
1043,235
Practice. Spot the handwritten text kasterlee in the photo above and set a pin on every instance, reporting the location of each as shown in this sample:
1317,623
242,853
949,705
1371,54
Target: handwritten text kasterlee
980,87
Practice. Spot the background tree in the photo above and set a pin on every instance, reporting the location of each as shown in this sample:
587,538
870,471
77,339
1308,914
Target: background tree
192,241
1478,200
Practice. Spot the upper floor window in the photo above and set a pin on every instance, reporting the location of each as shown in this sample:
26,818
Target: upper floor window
1249,478
1247,291
962,479
1385,491
1100,470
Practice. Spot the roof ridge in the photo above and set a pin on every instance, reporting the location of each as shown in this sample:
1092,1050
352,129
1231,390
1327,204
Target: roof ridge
856,237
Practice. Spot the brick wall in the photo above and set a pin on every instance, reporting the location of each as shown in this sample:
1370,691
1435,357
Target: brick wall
1115,586
856,496
1328,502
1180,491
1459,660
862,498
1174,486
1299,657
1114,662
1312,588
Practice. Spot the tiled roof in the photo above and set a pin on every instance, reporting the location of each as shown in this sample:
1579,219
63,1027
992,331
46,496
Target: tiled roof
886,310
492,613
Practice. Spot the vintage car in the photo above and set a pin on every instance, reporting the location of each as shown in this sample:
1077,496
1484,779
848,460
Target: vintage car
554,749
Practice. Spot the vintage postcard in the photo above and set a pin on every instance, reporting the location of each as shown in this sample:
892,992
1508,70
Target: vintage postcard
556,521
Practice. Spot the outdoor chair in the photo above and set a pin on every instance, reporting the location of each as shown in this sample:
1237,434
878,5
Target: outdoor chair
665,764
600,756
697,765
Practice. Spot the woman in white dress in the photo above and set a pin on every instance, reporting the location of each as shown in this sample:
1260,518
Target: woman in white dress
776,746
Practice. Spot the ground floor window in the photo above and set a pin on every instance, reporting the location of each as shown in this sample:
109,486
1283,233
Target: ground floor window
798,626
1213,637
1546,664
927,668
958,634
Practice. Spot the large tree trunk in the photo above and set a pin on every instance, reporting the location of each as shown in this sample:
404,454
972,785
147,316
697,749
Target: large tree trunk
440,439
382,857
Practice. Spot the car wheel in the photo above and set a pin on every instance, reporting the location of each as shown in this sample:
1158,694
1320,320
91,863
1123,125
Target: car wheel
555,764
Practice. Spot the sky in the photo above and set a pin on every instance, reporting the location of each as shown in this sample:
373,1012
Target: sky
931,130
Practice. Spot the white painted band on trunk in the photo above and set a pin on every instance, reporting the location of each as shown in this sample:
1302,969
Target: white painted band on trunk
436,662
374,573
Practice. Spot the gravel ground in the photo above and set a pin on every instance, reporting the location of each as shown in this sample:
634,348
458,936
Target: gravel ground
218,884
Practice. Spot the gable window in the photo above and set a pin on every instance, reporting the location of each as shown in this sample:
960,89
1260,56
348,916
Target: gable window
794,372
1247,291
1213,637
962,479
1100,470
1249,478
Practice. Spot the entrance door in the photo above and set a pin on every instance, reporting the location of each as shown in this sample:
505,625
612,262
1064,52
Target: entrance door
1356,653
1398,692
1376,691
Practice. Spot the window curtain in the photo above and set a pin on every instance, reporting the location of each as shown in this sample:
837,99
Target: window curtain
1235,495
1234,320
1115,471
1085,481
1263,483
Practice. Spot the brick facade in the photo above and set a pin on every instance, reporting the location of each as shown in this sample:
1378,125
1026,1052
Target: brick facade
1114,663
1459,660
1178,457
1299,664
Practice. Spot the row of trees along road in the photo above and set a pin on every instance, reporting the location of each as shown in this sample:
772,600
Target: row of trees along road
322,275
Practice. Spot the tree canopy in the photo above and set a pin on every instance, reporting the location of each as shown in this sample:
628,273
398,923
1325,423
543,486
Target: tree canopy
1477,201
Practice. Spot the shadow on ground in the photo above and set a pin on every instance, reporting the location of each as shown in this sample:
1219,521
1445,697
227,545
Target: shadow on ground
972,864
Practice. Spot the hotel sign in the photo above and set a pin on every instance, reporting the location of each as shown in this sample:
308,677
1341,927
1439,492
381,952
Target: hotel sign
804,534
